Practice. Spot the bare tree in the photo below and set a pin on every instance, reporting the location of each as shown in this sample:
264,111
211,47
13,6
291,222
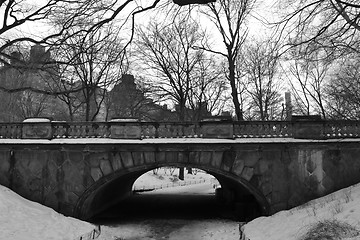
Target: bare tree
260,68
168,52
308,75
209,91
67,16
229,17
330,24
342,91
94,65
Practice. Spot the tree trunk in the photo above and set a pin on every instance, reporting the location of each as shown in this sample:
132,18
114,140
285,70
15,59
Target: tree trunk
181,173
234,93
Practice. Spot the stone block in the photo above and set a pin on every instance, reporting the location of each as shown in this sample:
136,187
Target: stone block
328,184
183,157
228,160
251,158
247,173
5,168
127,159
278,207
74,156
238,167
266,188
51,200
125,129
138,158
149,157
116,161
308,127
279,196
35,128
35,184
194,157
96,174
216,159
52,169
262,167
71,198
105,166
205,158
217,130
160,157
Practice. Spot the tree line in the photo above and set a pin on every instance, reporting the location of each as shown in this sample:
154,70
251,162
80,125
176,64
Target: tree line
189,61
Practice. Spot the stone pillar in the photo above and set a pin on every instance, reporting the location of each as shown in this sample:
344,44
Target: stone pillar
37,128
308,127
125,129
288,106
217,127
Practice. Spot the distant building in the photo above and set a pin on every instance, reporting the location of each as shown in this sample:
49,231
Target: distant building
25,73
127,100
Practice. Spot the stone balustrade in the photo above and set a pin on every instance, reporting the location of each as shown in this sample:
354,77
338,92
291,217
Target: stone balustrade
301,128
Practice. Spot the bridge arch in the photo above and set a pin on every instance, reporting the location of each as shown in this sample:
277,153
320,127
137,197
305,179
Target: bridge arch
117,185
73,177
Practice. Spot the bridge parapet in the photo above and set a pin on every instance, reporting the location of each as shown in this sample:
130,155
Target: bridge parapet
211,129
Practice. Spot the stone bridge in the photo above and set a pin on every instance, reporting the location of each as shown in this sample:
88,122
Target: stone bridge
80,169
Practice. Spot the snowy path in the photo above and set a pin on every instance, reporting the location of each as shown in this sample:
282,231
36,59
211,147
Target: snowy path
173,229
174,213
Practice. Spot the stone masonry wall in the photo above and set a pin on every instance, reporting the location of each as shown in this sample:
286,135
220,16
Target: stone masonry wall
67,178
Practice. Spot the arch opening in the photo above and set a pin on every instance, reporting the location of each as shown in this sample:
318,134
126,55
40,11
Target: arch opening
233,198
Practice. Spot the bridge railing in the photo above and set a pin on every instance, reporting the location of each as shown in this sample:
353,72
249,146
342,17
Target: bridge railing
170,130
341,129
80,129
206,129
11,130
263,129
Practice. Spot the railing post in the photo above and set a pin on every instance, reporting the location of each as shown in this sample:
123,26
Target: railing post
217,127
37,128
125,128
308,127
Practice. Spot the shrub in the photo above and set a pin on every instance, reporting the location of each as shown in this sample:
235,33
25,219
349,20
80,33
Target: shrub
330,229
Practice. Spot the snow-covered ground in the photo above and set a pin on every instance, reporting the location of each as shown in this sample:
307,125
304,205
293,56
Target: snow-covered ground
173,229
21,219
341,207
167,177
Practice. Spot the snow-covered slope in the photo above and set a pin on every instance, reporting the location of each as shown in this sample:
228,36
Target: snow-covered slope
341,207
21,219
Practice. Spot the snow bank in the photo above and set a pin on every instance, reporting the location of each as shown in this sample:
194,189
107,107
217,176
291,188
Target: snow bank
342,206
21,219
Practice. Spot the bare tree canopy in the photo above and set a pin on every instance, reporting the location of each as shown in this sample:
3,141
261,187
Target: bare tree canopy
187,2
182,74
229,17
333,24
259,66
53,22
